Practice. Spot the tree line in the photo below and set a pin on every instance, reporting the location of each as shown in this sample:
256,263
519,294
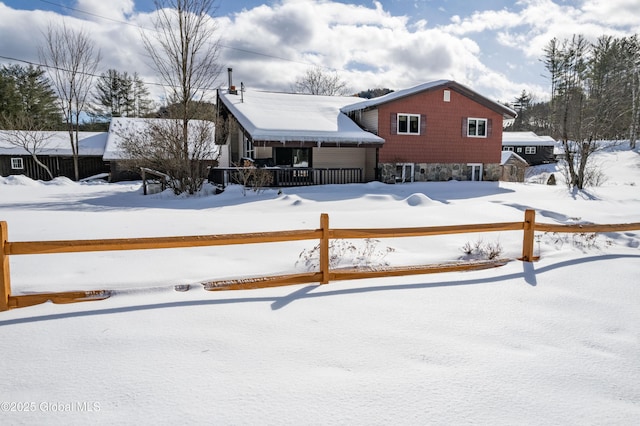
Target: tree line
595,96
27,92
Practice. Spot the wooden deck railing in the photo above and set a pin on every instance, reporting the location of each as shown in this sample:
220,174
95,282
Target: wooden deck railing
289,176
324,234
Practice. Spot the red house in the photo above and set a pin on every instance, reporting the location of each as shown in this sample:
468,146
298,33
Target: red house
436,131
432,132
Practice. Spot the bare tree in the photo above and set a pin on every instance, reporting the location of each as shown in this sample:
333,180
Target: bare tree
184,50
568,67
72,61
157,144
27,133
317,81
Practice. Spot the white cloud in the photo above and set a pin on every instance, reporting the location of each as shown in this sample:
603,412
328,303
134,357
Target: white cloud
113,9
614,12
494,51
368,46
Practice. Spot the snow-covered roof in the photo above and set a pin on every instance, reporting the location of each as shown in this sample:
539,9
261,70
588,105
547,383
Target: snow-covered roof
287,117
121,126
526,138
389,97
57,144
506,155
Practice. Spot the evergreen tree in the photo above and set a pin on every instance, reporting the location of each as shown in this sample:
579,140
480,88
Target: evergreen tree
522,105
25,91
120,95
111,94
140,104
373,93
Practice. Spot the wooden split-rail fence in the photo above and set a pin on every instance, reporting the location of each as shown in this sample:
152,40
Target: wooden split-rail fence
324,234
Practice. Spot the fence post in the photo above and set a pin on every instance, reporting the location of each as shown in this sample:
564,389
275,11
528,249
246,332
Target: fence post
527,243
5,279
324,248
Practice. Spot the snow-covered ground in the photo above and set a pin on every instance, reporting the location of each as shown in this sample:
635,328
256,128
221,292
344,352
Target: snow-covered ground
552,342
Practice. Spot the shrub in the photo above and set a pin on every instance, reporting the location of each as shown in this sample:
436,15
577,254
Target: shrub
343,253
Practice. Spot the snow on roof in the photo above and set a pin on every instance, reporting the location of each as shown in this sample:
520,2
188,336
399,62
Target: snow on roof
58,144
393,96
287,117
124,125
526,138
508,154
374,102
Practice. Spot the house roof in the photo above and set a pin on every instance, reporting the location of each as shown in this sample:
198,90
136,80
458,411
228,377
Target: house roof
526,139
449,84
58,144
121,126
506,155
287,117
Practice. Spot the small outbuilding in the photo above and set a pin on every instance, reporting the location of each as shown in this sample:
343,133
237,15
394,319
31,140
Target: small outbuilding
513,167
54,151
533,148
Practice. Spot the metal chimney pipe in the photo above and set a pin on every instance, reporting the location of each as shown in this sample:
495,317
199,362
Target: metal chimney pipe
230,71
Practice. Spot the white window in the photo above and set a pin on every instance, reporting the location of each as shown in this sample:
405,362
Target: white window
249,150
530,150
507,148
477,127
409,124
17,164
447,96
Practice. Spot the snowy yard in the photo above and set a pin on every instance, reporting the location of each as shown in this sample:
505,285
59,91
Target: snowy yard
551,342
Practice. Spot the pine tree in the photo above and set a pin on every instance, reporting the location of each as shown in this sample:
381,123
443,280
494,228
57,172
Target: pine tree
25,91
120,95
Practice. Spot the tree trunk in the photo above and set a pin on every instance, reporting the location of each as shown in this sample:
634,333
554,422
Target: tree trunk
41,164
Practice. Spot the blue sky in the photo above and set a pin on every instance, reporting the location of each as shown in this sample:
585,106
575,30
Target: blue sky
493,46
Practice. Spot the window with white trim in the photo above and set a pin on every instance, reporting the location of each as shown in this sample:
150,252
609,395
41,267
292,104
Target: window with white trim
507,148
477,127
409,124
17,164
530,150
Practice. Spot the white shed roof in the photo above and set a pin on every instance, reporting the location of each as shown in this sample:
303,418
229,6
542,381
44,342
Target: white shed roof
58,144
526,138
509,154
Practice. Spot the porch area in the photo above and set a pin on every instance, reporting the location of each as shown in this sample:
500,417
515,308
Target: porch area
283,176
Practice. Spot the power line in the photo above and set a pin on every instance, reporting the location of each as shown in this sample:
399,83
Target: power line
37,64
253,52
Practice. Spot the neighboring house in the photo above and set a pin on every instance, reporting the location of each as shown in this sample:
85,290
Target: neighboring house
436,131
306,139
513,167
56,154
121,127
533,148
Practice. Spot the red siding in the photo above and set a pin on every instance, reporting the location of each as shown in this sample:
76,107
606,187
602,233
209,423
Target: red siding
443,141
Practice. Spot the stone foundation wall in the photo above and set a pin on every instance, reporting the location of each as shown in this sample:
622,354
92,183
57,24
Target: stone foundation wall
438,172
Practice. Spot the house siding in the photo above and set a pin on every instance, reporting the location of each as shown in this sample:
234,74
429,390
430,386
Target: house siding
443,140
543,155
59,166
370,120
362,158
425,172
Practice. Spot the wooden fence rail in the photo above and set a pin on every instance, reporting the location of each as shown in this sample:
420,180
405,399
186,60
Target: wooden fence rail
324,234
